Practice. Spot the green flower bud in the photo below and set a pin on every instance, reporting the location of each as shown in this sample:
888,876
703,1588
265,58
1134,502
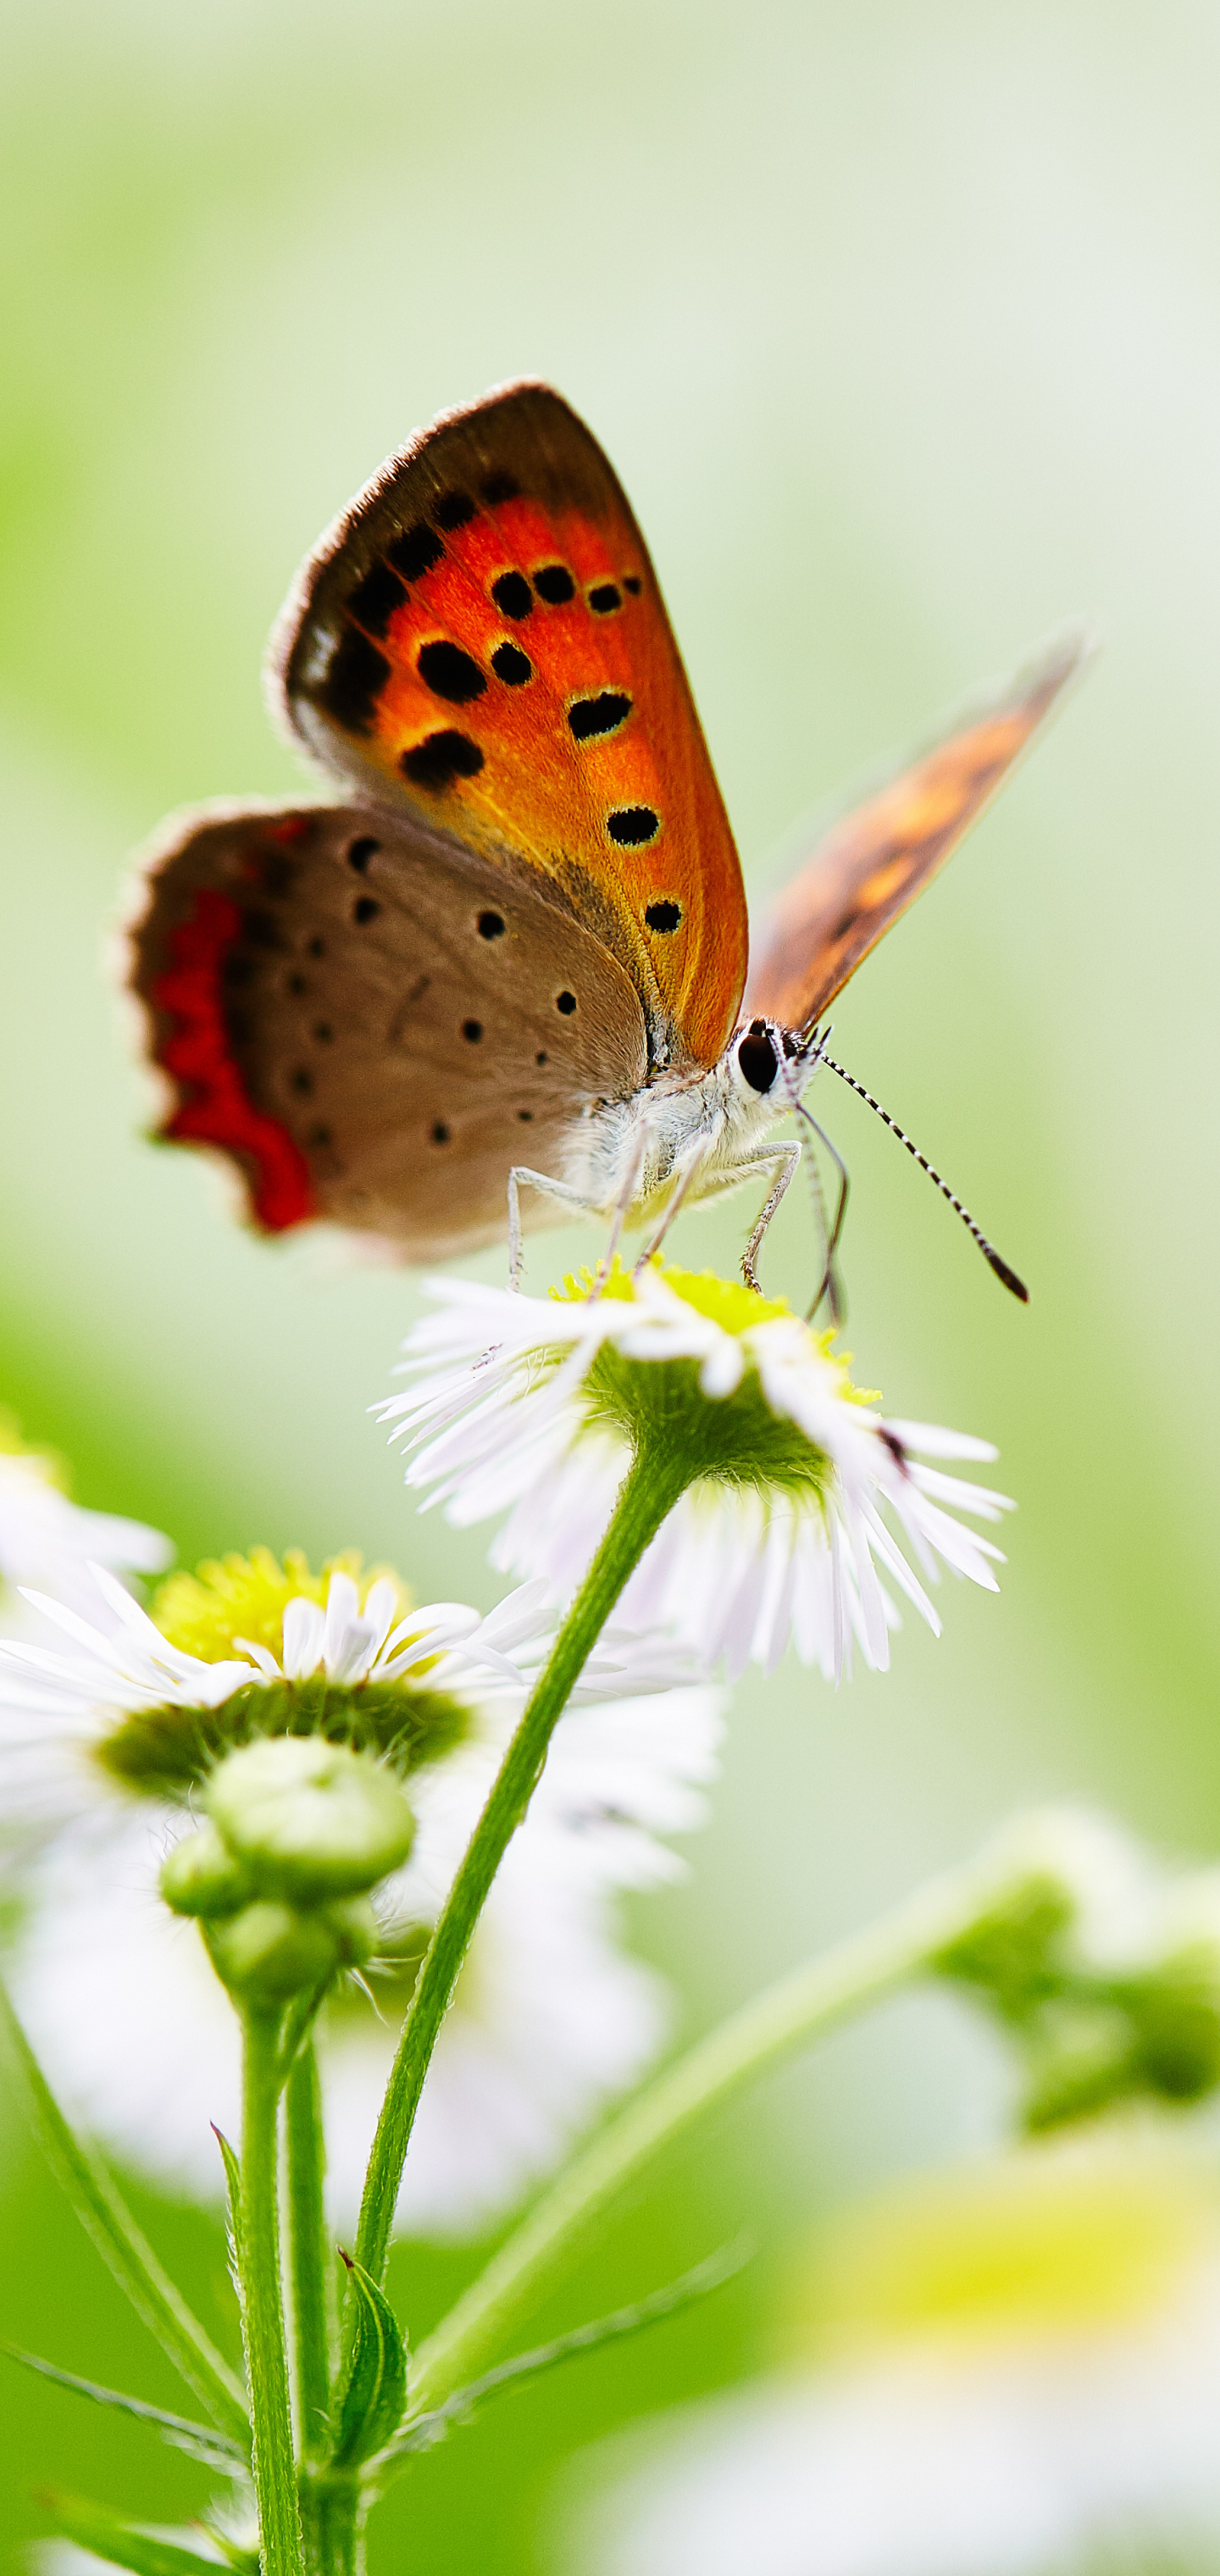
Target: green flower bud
1012,1953
201,1876
311,1820
270,1952
1082,2060
356,1930
1175,2011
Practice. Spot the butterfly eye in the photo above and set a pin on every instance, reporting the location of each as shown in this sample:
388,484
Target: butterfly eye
757,1059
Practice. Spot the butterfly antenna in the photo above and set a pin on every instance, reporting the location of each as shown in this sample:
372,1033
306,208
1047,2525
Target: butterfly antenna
830,1284
988,1250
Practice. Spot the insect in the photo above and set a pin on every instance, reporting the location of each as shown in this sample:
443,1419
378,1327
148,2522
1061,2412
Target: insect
508,959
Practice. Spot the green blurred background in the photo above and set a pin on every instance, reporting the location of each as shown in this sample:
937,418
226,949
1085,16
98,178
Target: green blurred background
901,328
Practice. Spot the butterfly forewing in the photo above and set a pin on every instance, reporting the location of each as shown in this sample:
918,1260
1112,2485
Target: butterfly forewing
874,862
372,1023
480,643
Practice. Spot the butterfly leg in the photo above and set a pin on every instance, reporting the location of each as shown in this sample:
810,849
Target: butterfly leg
694,1165
549,1189
782,1163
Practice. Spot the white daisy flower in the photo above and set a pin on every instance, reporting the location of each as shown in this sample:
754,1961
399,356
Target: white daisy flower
133,1707
45,1539
795,1497
1006,2375
550,2016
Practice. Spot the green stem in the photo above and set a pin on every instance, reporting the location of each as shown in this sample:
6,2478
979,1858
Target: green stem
123,2246
309,2252
649,1490
275,2483
858,1972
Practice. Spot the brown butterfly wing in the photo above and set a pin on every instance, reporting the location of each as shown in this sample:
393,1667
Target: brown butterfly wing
369,1021
480,642
874,862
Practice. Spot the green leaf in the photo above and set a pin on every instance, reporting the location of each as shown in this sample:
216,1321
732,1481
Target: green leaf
668,2302
232,2168
123,2544
123,2246
215,2449
374,2390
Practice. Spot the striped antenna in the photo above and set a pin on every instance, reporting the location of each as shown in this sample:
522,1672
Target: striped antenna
988,1250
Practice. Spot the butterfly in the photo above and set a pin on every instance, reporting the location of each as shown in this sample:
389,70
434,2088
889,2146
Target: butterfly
510,953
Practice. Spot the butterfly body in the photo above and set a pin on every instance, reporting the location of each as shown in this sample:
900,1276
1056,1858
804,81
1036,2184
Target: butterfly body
507,961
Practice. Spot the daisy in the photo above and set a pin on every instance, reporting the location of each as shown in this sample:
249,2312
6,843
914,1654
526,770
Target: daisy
792,1496
1008,2373
549,2018
45,1539
144,1705
112,1740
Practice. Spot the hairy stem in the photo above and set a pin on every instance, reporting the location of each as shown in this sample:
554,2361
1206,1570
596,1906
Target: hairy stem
650,1488
309,2252
800,2007
275,2481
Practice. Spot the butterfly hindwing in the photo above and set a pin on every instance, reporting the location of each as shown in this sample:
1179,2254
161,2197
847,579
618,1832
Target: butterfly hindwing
369,1021
876,859
480,643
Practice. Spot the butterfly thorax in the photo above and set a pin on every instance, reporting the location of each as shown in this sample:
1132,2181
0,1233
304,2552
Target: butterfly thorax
710,1125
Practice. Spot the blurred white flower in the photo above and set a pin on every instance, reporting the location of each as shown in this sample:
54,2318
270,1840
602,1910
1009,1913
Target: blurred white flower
550,2016
534,1405
1015,2374
45,1539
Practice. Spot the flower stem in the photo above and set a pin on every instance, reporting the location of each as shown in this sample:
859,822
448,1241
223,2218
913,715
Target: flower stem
309,2252
826,1991
649,1490
275,2482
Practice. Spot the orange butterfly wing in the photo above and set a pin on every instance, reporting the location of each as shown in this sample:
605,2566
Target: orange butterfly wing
874,862
481,638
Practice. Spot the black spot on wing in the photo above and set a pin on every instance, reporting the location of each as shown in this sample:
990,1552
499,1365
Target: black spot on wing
453,510
633,583
361,852
565,1002
450,673
554,583
606,713
415,552
604,598
663,916
440,759
632,825
365,909
354,682
512,666
491,925
375,599
512,595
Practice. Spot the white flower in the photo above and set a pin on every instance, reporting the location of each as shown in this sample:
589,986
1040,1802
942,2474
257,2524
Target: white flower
45,1539
1017,2374
62,1714
548,2018
525,1405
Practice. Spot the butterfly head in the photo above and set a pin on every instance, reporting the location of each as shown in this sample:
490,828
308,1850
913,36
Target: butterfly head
757,1059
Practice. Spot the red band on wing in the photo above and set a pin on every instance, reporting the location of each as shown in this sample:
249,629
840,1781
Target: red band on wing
217,1110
